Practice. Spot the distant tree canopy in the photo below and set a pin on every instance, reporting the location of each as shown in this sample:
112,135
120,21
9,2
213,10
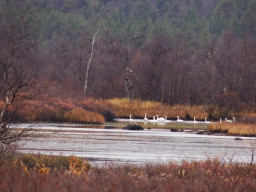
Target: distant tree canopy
55,17
173,51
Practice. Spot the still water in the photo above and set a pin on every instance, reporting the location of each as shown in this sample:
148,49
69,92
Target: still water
102,146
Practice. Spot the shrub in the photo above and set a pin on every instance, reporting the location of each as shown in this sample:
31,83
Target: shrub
99,106
82,116
47,163
209,175
229,105
41,114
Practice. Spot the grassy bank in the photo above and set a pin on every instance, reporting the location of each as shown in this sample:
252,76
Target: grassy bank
138,108
98,111
241,129
31,173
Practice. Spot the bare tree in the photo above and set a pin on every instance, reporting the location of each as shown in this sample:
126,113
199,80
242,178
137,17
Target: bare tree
125,55
16,44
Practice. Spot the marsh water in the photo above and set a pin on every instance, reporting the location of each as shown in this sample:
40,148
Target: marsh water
102,145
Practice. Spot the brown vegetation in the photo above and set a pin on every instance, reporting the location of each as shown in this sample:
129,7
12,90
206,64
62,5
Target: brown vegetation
138,108
210,175
83,116
90,110
241,129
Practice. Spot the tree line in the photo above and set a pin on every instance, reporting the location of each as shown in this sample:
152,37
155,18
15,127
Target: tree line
175,52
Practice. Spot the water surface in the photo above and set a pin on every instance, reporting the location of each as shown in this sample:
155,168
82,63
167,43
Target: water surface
101,145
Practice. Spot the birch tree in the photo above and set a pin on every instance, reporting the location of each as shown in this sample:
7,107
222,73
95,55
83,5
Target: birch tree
95,33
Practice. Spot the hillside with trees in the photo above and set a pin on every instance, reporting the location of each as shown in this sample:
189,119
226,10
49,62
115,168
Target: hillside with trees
190,52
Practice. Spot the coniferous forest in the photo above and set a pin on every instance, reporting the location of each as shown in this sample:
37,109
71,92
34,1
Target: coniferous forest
194,52
77,62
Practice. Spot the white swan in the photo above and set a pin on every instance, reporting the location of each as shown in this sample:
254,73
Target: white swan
195,120
228,120
131,118
161,118
220,120
178,119
205,120
145,118
153,120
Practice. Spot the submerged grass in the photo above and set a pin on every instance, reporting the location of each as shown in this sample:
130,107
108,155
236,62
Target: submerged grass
209,175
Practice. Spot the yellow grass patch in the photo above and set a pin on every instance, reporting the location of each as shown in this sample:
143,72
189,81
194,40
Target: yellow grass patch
82,116
234,128
138,108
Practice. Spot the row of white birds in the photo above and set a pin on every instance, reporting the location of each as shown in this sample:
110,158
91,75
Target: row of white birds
164,119
228,120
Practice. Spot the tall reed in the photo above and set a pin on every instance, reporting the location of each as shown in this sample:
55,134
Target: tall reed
241,129
138,108
80,115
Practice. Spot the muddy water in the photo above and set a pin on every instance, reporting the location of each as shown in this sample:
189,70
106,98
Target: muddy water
140,147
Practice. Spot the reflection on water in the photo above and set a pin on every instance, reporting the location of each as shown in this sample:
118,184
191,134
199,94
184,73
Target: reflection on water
121,146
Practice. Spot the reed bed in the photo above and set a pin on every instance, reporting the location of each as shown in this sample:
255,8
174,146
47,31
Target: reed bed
82,116
53,109
241,129
138,108
209,175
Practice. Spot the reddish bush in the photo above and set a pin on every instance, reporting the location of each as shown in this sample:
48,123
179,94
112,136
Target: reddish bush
211,175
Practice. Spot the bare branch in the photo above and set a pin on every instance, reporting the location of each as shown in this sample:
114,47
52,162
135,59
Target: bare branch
129,70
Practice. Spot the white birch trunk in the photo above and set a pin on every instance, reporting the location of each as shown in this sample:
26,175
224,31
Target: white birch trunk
90,60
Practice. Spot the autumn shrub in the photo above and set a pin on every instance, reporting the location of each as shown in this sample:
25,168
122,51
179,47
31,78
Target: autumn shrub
249,118
99,106
9,111
207,176
47,163
52,163
229,105
41,114
1,105
241,129
82,116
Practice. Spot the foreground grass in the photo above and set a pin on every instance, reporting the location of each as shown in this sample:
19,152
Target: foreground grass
23,174
240,129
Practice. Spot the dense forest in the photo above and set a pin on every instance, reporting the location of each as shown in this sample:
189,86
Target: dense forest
195,52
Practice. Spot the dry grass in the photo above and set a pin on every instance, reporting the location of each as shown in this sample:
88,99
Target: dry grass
241,129
53,109
41,114
96,105
210,175
82,116
47,109
138,108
